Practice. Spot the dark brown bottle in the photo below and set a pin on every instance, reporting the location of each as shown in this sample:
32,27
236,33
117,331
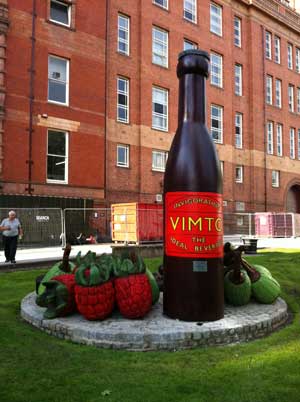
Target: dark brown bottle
193,219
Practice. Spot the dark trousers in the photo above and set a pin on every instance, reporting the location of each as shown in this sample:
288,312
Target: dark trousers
10,247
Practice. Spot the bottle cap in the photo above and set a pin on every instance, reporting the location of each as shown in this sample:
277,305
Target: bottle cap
193,61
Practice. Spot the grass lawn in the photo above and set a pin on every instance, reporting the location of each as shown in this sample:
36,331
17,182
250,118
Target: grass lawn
35,367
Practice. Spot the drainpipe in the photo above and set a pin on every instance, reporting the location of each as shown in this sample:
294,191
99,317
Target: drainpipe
107,41
30,129
264,118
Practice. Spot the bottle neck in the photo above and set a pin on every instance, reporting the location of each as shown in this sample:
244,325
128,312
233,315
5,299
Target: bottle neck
191,98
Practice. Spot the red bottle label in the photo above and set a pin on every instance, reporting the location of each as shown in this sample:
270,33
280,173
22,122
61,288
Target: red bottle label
193,224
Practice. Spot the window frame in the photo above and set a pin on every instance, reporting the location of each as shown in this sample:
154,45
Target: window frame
69,8
278,93
237,31
165,158
297,60
51,56
279,134
221,120
66,179
298,143
165,116
277,49
126,164
166,57
268,45
239,178
290,56
292,143
161,6
270,138
238,79
194,44
238,144
193,13
220,16
121,40
126,108
269,90
275,178
219,77
291,98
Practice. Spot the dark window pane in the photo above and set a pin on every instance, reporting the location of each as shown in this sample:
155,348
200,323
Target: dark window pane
122,99
57,92
56,168
59,13
158,108
56,143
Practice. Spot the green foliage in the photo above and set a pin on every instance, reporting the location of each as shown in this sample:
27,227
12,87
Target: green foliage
36,367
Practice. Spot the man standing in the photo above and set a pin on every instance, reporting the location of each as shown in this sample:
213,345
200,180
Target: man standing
11,228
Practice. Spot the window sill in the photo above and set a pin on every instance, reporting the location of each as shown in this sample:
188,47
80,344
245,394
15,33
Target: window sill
123,167
58,103
56,182
216,34
127,123
157,170
216,86
159,65
161,7
194,23
239,182
160,129
58,24
124,54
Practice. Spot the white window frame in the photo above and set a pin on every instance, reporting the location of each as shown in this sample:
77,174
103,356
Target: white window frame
270,137
164,156
238,79
50,56
165,4
190,7
124,164
239,177
237,31
275,178
298,143
65,181
222,167
297,60
291,98
164,45
277,53
188,44
292,143
126,41
219,130
268,45
238,124
298,100
216,13
290,56
126,94
216,70
278,92
269,90
279,130
165,116
68,6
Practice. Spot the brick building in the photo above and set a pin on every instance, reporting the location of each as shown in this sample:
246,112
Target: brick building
89,98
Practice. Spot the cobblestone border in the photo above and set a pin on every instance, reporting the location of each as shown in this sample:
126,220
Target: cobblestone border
157,332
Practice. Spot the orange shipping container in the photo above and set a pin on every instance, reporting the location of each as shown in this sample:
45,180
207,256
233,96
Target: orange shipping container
136,222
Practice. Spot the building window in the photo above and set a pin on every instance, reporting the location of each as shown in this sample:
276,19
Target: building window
297,64
279,139
160,109
298,143
187,44
269,90
291,97
270,137
216,76
275,178
123,155
215,19
292,143
277,50
239,130
298,100
238,80
159,47
57,157
239,174
217,123
161,3
58,80
290,56
123,100
60,12
190,10
159,160
278,93
268,45
123,34
237,32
